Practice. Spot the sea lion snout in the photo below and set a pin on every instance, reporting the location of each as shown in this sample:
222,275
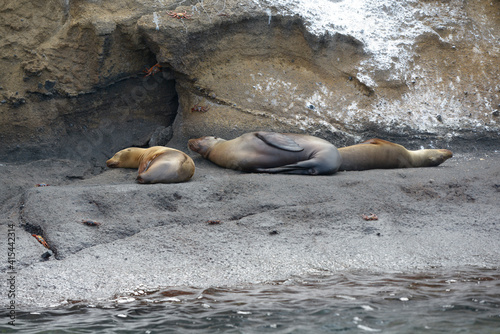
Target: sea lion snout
204,145
446,153
442,155
112,163
193,144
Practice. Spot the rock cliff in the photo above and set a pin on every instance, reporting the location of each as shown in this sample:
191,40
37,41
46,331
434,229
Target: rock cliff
73,85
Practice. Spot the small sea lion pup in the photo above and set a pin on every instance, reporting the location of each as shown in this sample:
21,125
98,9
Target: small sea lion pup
270,152
377,154
157,164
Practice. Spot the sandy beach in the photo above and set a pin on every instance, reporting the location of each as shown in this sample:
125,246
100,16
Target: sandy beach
267,227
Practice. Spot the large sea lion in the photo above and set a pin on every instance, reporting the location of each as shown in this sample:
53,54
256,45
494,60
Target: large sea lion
377,154
270,152
157,164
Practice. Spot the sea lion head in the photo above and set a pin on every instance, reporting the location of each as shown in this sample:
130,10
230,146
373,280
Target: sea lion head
204,145
436,157
126,158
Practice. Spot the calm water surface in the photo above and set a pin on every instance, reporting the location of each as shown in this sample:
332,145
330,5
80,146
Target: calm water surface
461,301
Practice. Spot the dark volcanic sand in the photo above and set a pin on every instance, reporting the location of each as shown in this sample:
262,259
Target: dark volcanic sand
272,227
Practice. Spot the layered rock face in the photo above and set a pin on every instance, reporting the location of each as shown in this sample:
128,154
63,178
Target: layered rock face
73,85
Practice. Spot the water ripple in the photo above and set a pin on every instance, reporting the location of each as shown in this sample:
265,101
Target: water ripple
465,301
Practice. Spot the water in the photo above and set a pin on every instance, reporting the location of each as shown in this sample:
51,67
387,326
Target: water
462,301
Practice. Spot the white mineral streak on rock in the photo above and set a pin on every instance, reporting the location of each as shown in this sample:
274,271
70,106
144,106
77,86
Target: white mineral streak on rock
386,27
389,30
269,13
156,21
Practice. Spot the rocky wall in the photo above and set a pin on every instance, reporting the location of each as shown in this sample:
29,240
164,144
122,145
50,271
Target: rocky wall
72,85
270,68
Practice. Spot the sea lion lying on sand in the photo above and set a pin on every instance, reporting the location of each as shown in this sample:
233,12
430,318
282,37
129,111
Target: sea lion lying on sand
157,164
270,152
377,153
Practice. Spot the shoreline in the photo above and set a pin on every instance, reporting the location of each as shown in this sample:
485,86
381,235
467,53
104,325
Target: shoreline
273,227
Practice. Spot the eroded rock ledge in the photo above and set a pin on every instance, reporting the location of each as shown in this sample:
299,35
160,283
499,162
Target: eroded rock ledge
256,71
73,75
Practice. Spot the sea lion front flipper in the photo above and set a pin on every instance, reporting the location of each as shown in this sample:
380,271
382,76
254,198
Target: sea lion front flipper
144,166
145,163
278,140
306,167
289,169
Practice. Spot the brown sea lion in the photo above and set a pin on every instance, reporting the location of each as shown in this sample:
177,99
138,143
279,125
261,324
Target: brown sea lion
168,167
157,164
270,152
378,154
131,157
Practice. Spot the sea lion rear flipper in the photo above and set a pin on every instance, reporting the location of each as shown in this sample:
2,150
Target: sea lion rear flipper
278,140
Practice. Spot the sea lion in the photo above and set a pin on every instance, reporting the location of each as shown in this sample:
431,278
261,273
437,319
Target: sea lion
270,152
378,154
157,164
131,157
171,166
